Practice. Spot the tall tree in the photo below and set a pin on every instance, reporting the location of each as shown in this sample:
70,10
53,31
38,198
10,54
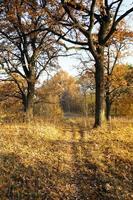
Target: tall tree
90,24
116,86
117,49
24,50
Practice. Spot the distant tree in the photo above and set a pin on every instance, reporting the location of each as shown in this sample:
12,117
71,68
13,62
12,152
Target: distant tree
123,104
87,86
117,86
11,106
116,50
61,91
9,96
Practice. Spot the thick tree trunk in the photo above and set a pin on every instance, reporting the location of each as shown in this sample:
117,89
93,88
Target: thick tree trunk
29,110
28,102
99,96
108,107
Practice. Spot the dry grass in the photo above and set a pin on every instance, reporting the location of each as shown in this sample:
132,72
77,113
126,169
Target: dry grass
41,161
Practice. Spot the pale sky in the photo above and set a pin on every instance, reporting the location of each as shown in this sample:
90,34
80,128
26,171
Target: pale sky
69,64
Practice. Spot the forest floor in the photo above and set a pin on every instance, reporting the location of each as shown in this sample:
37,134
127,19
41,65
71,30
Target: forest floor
70,161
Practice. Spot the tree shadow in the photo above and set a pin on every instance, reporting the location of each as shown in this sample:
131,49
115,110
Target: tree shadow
38,182
82,179
121,177
93,183
21,182
84,170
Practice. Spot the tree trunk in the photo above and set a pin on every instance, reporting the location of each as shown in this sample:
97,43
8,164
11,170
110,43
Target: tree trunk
29,102
29,111
99,95
108,106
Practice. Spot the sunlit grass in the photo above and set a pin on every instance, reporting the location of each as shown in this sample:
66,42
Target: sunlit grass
70,161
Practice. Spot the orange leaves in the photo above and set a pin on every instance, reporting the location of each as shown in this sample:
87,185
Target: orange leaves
122,33
62,81
118,76
116,81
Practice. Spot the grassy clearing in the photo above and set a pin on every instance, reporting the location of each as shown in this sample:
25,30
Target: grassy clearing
40,161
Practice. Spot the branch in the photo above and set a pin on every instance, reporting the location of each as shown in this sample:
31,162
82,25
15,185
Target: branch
90,40
67,39
124,15
115,23
73,47
114,2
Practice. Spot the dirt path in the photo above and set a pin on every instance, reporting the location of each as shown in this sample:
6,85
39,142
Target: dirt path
83,173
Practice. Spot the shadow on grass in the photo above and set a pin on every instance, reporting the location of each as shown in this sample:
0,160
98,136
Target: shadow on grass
83,180
20,182
93,183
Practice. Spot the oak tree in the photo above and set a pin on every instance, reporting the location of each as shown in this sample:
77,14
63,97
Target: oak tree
24,49
90,24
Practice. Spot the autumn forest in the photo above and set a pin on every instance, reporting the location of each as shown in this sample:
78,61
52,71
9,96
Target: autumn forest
65,136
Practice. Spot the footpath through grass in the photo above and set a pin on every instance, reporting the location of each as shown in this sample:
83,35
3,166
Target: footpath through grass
70,162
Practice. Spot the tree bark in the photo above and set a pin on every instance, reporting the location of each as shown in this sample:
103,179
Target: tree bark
28,102
108,107
99,95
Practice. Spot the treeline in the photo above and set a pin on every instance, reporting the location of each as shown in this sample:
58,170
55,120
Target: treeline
35,33
65,94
